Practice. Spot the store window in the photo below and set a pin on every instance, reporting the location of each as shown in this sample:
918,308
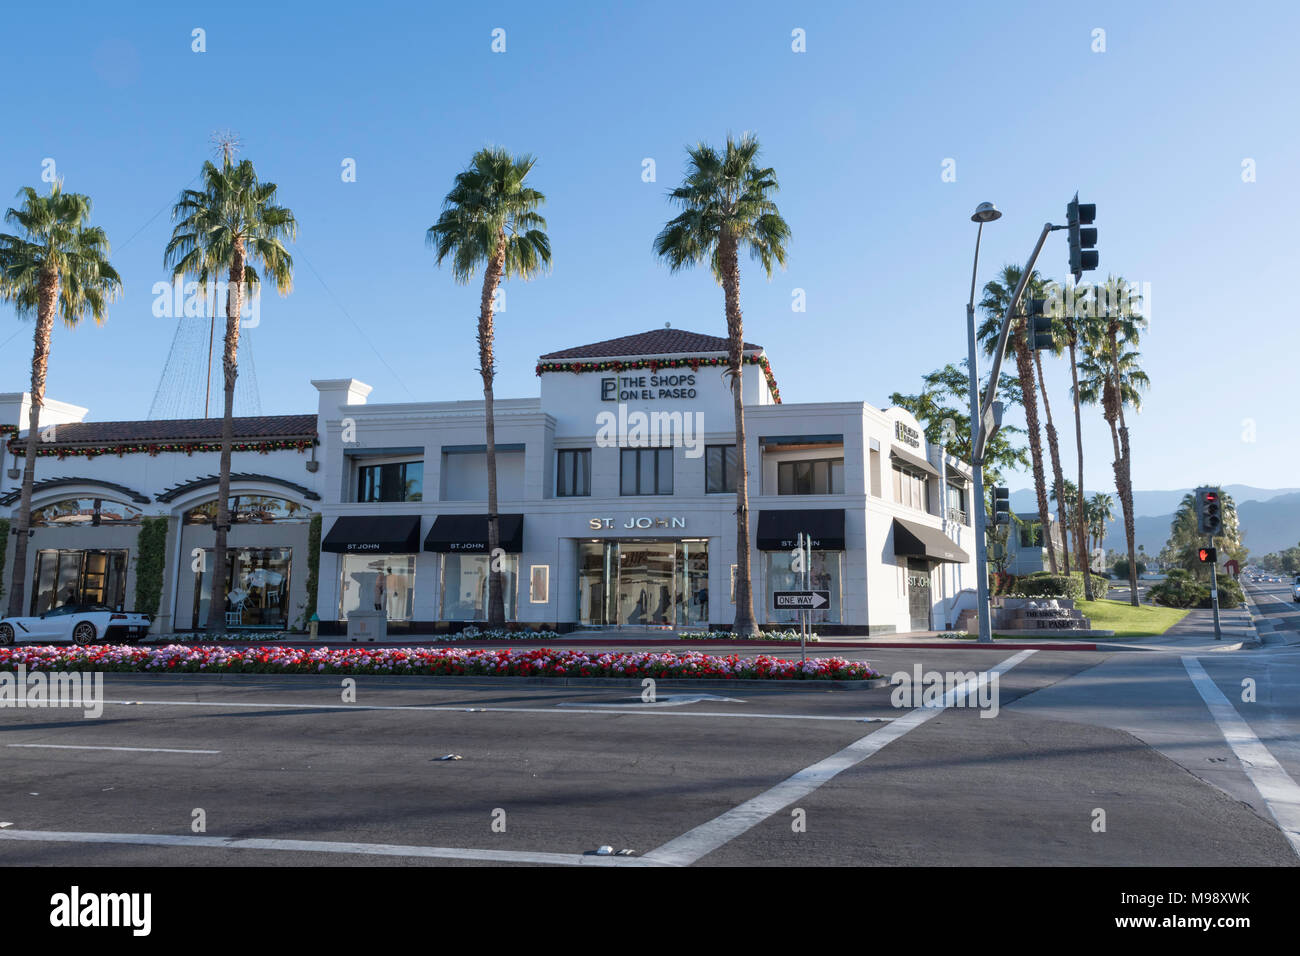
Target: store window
1031,535
646,471
720,469
820,477
256,591
465,586
377,582
824,574
78,578
249,509
573,473
643,583
910,489
84,513
391,481
539,584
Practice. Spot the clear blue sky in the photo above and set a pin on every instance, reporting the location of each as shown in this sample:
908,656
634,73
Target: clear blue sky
1154,130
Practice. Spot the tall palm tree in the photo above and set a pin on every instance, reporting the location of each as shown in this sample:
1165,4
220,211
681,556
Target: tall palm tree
1076,327
1053,446
56,263
224,227
997,296
1064,495
726,205
490,217
1113,375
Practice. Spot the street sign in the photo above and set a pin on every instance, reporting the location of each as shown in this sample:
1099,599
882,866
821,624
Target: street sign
800,600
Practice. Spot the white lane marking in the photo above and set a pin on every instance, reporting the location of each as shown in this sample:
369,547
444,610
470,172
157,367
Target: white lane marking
143,750
1277,788
323,846
674,701
704,839
586,709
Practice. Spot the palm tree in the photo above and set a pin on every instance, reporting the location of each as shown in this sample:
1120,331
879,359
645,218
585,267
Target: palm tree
55,264
726,204
1054,446
997,296
1076,327
1101,511
1064,495
1113,376
490,217
225,227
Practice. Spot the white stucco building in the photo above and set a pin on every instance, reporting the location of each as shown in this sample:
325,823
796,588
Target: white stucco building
616,492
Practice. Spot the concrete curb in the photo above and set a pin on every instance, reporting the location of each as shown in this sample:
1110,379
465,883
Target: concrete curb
503,682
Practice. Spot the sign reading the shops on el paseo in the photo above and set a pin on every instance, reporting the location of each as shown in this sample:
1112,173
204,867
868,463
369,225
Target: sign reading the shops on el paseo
907,434
636,388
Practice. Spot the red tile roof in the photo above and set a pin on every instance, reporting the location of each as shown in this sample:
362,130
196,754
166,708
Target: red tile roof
654,342
251,428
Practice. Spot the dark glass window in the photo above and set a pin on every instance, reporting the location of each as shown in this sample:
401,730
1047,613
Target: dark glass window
822,477
573,473
720,469
393,481
646,471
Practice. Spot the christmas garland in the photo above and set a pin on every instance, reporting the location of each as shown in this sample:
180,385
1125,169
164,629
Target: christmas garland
694,363
153,449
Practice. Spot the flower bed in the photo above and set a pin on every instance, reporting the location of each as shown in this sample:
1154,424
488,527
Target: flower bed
538,662
781,636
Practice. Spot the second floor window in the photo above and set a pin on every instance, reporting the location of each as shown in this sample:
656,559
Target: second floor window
646,471
957,504
392,481
909,489
823,477
1031,535
719,469
573,473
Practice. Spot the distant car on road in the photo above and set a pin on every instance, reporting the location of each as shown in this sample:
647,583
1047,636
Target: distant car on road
77,623
1295,588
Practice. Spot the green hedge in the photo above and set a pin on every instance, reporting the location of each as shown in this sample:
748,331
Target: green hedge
1046,584
1181,589
152,546
313,567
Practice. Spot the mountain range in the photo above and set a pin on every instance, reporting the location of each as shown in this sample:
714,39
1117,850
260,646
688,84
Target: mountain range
1270,517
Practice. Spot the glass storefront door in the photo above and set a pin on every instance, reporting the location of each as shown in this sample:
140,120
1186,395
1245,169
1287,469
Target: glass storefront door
640,583
78,578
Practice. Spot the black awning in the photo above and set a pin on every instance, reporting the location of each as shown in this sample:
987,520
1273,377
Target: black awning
374,534
779,530
915,461
913,540
469,533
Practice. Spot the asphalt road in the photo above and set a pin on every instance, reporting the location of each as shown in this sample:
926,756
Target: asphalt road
562,771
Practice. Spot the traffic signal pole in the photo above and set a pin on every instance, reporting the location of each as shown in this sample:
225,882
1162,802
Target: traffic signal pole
1214,592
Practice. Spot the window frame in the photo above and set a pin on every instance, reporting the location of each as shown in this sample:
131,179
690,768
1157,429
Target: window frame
730,475
578,455
661,455
814,466
363,465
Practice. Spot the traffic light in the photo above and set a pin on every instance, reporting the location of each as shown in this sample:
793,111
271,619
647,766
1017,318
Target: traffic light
1207,556
1083,254
1039,325
1209,516
1001,506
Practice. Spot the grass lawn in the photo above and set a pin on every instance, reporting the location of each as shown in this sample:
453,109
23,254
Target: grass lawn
1129,621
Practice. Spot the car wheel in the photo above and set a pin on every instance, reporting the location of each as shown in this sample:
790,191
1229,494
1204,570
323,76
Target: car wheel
83,633
6,634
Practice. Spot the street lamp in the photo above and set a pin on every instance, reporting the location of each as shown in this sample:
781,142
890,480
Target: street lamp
984,212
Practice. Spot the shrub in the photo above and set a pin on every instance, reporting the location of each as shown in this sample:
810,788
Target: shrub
1046,584
1230,594
152,548
1119,570
1180,589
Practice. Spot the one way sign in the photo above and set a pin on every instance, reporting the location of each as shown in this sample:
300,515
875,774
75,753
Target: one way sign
799,600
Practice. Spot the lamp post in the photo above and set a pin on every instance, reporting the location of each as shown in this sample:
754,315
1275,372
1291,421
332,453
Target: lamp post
985,212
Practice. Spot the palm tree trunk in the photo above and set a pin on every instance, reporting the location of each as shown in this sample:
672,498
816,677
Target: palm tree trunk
745,624
487,368
230,366
49,301
1081,535
1025,367
1058,476
1123,465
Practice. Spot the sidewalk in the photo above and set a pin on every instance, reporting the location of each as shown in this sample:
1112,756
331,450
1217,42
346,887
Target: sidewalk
1197,629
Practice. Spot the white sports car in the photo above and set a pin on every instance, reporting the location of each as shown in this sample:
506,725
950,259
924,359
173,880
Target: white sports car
78,623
